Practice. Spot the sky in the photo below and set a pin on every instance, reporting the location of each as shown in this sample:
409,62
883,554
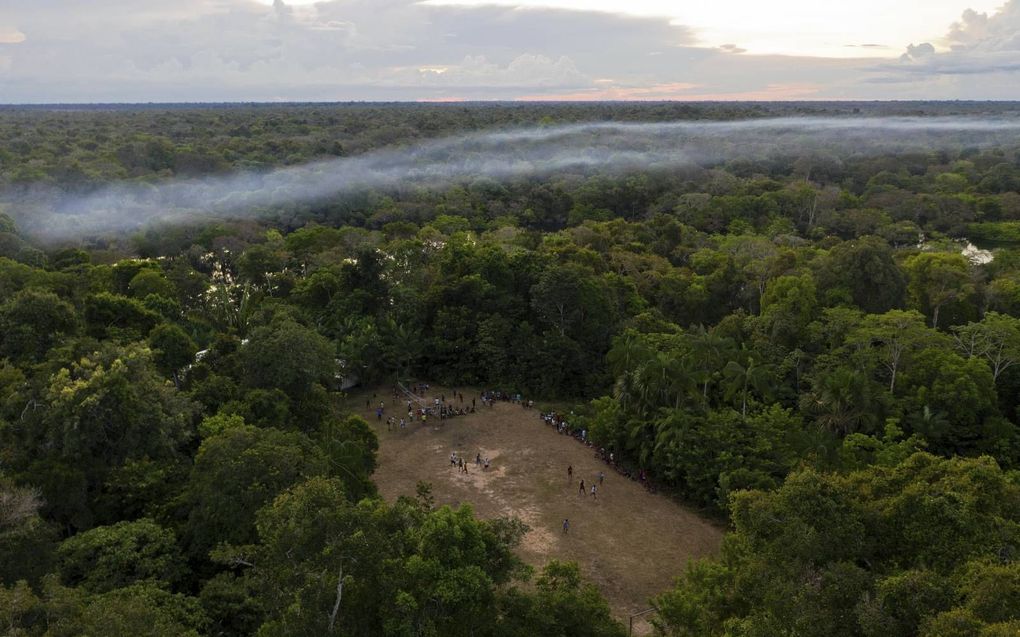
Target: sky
452,50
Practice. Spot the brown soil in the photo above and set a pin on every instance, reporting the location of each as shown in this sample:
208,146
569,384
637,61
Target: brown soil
630,543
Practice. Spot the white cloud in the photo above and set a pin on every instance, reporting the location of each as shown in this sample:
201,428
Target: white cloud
11,36
336,49
977,44
918,52
211,50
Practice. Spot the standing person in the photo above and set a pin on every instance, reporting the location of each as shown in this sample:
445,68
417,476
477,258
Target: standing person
580,490
570,473
594,494
486,463
566,525
602,477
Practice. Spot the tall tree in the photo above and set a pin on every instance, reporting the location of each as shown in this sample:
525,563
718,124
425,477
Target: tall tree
937,279
996,338
891,338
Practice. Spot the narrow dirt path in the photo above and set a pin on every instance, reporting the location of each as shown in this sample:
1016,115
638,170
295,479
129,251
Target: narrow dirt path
630,543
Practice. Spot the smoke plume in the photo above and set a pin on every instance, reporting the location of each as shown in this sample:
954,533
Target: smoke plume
614,148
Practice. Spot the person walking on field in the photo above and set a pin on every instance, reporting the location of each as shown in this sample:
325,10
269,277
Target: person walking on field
594,494
566,525
580,489
570,473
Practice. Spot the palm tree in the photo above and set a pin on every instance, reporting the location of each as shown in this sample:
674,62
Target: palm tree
841,401
741,379
709,351
629,350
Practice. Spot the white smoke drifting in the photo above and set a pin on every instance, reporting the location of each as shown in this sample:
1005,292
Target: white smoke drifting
506,155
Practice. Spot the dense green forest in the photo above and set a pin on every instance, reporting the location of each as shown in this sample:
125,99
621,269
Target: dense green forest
799,346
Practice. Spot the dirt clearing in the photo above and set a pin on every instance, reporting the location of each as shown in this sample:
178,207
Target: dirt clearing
630,543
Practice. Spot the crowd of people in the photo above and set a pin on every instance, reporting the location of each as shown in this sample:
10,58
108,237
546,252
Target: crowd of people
490,396
421,407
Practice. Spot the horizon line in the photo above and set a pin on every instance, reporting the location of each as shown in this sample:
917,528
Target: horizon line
450,102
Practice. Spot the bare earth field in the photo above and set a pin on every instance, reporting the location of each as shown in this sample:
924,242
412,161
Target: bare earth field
630,543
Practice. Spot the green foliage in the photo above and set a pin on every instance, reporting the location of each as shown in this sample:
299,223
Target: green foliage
137,610
232,607
287,356
27,541
864,272
151,282
897,550
112,315
938,280
324,565
728,325
110,557
236,472
105,411
219,423
33,322
1000,232
350,447
173,348
561,605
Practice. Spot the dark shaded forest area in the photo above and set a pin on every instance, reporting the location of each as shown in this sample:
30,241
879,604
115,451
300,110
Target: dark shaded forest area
808,347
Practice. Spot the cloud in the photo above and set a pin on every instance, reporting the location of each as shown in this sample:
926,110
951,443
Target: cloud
11,36
731,48
336,49
918,52
977,44
249,50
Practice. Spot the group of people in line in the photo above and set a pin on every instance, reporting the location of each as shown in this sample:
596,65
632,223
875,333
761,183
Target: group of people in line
490,396
559,421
